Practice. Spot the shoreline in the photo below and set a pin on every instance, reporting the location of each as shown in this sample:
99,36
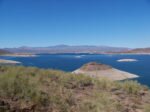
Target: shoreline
126,53
20,55
3,61
111,74
34,55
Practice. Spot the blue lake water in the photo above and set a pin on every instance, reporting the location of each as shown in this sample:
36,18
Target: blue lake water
70,62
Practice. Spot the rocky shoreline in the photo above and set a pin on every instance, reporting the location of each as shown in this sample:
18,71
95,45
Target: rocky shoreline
2,61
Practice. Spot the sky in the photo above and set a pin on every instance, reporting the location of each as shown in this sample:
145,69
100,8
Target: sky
118,23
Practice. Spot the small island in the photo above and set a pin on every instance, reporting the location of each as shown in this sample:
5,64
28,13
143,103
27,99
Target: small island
94,69
2,61
127,60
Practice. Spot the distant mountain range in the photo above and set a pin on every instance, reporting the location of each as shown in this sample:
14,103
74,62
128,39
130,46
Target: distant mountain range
75,49
67,49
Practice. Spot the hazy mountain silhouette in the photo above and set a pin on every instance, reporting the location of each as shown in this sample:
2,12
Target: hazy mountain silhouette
67,49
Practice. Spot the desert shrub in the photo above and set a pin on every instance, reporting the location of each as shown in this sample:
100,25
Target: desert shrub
103,84
77,81
102,103
131,87
16,85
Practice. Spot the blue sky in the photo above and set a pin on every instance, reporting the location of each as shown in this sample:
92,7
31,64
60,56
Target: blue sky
123,23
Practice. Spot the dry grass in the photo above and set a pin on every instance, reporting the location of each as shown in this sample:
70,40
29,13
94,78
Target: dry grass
25,89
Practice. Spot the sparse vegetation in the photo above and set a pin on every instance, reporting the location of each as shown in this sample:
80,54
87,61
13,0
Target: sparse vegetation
147,108
132,87
27,89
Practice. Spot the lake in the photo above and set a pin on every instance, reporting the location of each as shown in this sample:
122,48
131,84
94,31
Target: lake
70,62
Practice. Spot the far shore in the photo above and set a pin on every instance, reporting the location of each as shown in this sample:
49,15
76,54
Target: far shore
127,53
20,55
34,55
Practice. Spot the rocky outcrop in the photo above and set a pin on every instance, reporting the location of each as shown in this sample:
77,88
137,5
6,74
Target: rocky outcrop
92,66
94,69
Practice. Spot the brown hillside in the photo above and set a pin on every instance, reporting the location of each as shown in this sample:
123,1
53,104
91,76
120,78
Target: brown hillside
92,66
3,52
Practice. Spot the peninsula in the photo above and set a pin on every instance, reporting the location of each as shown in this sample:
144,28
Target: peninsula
94,69
2,61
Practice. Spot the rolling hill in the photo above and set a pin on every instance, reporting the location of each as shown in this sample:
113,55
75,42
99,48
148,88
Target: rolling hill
140,50
76,49
4,52
67,49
